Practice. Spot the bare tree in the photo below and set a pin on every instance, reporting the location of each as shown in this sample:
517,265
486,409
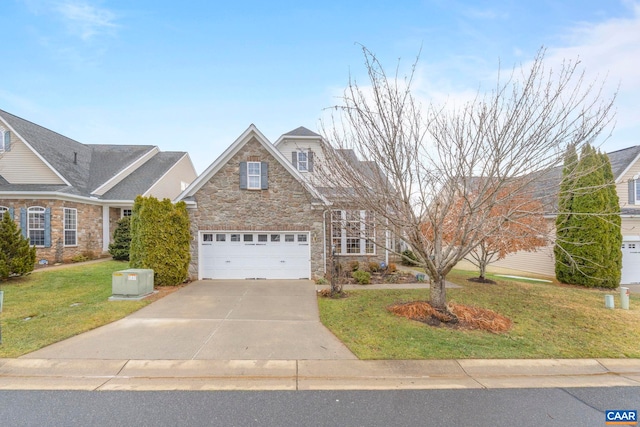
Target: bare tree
417,161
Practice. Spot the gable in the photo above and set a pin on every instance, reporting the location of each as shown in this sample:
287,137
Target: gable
251,141
622,183
20,165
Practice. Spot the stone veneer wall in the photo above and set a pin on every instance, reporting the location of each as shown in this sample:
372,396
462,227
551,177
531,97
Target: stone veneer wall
285,206
89,231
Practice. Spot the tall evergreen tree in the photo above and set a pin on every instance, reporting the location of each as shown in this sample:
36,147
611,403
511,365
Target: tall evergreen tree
119,248
588,231
565,201
16,256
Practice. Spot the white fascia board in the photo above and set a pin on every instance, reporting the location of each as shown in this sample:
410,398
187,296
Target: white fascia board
627,168
126,171
24,140
298,138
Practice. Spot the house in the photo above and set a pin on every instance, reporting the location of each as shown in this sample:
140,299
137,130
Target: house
259,211
67,196
625,165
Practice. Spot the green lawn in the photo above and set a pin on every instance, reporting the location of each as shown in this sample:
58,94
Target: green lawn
550,321
49,306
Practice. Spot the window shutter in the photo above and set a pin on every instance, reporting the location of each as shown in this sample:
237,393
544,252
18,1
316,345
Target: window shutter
264,175
23,222
7,141
47,228
632,191
243,175
294,159
310,161
11,213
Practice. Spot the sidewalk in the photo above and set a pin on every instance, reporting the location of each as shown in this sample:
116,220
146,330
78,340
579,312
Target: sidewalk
155,375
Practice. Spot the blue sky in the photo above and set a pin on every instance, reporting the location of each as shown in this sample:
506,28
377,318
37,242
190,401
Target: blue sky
193,75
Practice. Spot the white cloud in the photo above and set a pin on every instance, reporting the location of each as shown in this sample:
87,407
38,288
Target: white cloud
84,19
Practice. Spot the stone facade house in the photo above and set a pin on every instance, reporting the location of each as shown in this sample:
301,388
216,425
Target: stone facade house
67,196
260,212
625,165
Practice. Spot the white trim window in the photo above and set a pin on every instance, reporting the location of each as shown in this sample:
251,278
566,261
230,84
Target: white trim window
3,209
125,212
253,176
353,232
637,185
70,227
36,225
303,161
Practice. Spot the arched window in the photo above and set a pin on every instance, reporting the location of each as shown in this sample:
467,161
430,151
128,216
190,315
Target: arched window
36,225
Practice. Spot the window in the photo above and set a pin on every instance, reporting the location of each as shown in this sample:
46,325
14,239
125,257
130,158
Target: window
5,140
126,212
303,161
3,209
302,238
70,227
35,225
253,175
637,185
275,237
235,237
221,237
262,237
632,245
248,237
207,237
289,238
353,232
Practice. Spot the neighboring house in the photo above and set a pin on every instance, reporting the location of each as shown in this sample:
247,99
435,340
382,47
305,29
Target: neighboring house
259,211
67,196
626,170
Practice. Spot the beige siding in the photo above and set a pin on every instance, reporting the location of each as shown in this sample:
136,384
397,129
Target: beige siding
20,165
631,227
623,185
288,146
169,186
539,262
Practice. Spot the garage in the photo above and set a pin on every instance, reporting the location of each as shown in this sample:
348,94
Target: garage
254,255
630,262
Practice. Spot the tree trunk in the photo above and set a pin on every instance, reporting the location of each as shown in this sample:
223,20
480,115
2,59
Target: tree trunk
437,293
483,268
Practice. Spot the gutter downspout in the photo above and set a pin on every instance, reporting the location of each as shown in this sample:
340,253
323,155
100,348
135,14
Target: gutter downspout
324,239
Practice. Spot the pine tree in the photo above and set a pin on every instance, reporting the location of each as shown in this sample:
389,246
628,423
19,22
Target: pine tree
17,258
588,226
119,248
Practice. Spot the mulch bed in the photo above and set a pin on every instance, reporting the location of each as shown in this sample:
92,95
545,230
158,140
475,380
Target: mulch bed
399,277
464,317
479,280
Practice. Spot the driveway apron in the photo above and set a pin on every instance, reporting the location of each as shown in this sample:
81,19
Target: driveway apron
214,319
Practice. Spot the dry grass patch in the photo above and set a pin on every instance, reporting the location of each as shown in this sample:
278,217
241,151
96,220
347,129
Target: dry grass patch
464,317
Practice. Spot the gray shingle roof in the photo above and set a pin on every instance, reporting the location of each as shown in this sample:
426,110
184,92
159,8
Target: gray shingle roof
301,131
144,177
88,166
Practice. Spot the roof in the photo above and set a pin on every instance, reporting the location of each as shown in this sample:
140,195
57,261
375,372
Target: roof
302,131
86,167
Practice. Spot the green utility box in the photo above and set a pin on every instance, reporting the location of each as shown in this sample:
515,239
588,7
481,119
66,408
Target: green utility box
132,283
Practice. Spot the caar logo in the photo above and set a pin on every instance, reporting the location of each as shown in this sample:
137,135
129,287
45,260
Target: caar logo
620,417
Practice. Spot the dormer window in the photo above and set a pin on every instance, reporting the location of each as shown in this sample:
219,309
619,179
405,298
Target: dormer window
634,190
302,160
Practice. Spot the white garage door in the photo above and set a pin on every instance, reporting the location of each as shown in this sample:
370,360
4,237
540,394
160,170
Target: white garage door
630,262
254,255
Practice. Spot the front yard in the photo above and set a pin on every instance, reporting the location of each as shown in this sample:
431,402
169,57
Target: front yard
549,321
49,306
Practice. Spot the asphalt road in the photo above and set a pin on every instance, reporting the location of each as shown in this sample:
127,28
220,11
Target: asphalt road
480,407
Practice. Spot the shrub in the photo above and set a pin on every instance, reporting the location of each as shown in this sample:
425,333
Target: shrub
17,258
392,268
119,248
321,281
374,267
79,258
354,265
409,258
160,239
362,277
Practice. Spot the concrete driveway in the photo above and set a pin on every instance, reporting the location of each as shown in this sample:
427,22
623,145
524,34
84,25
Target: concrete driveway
214,319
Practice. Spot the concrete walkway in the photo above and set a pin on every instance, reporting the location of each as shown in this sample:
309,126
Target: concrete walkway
214,319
